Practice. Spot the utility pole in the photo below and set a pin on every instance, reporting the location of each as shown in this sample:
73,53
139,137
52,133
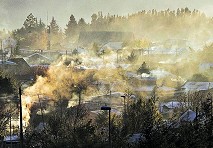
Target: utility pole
2,51
108,109
10,126
117,56
21,124
48,37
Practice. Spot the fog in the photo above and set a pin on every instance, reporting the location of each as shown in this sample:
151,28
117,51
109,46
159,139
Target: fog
14,12
150,26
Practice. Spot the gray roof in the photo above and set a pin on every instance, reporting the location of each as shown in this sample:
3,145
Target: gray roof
205,66
37,55
135,138
37,58
166,51
174,104
7,62
112,45
12,138
189,116
197,86
151,88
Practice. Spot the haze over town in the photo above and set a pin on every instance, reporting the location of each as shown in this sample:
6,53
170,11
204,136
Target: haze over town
100,73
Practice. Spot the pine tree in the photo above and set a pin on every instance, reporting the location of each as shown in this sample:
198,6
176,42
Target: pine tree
41,26
82,25
71,29
30,23
54,28
94,21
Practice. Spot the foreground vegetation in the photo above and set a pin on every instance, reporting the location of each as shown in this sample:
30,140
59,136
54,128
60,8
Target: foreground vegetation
77,127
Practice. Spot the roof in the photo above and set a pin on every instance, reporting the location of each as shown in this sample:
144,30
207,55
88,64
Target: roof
205,66
166,51
113,94
41,126
112,45
145,88
160,73
20,62
114,111
7,62
135,138
151,88
37,55
189,116
197,86
173,104
143,76
81,50
165,88
12,138
37,58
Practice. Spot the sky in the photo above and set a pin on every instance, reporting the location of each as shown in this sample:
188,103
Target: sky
14,12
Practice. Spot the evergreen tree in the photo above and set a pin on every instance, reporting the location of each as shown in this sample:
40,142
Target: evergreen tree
94,18
54,28
82,25
30,23
143,69
94,21
32,34
71,29
41,26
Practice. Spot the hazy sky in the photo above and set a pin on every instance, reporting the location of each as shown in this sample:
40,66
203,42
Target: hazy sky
14,12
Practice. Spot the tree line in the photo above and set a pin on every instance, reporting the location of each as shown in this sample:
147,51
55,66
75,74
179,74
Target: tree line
153,24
